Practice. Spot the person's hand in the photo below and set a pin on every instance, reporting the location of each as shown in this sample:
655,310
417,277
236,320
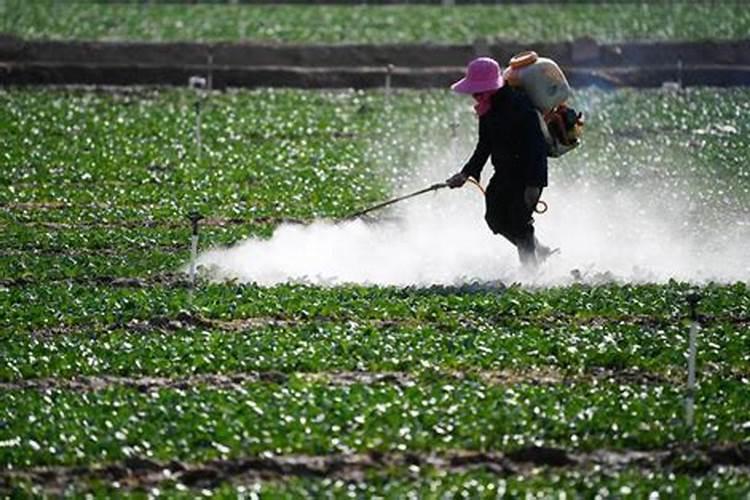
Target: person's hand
531,196
457,180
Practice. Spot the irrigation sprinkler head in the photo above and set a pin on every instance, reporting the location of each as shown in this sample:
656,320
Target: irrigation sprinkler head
195,217
197,82
388,80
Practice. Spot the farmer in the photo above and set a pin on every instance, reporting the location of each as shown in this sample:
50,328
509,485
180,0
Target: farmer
510,132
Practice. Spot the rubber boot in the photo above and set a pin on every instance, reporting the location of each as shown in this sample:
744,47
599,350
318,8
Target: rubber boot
526,247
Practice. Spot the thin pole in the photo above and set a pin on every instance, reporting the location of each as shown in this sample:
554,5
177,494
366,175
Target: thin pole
194,217
198,144
388,82
210,79
199,84
693,300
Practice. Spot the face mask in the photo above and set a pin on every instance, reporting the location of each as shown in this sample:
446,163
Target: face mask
484,102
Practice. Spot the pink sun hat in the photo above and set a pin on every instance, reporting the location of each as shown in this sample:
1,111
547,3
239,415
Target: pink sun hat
482,74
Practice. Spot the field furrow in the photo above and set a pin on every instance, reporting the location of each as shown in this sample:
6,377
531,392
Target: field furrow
144,473
548,376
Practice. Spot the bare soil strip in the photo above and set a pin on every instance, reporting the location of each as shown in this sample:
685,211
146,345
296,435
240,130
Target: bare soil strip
147,473
581,52
150,223
587,62
88,251
185,321
547,376
352,77
169,280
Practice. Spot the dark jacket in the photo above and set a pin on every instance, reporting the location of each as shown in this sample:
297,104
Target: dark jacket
511,133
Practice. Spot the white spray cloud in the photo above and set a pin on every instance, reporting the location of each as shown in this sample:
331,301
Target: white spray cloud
603,234
640,232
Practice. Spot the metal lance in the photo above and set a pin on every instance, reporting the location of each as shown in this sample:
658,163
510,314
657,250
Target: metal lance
194,217
693,300
434,187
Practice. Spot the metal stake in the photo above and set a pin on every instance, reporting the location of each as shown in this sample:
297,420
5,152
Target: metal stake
194,217
388,78
198,144
693,300
210,81
199,83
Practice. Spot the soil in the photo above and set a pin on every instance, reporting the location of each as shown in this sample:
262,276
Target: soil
171,223
548,376
586,62
145,473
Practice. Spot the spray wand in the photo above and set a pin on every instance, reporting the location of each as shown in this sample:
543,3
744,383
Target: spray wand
434,187
384,204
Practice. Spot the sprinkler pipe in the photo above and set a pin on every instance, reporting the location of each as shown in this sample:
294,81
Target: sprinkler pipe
388,83
194,218
693,300
198,141
198,83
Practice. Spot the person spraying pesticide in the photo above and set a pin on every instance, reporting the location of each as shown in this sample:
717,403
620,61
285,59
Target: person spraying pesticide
522,121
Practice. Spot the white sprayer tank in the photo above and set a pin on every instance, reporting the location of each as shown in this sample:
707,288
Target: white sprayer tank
541,78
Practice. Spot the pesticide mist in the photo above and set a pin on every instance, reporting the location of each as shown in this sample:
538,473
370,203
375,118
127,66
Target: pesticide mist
637,219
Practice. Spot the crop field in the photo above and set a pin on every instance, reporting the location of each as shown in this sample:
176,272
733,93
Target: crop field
620,21
117,378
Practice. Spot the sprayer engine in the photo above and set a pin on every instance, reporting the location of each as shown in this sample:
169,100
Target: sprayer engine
545,84
565,125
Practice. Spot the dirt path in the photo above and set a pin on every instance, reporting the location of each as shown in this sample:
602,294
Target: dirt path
638,64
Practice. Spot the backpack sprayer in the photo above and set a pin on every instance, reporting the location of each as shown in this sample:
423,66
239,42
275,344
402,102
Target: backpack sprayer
540,208
545,84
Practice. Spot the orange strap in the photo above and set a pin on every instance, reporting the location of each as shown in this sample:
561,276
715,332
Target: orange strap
540,208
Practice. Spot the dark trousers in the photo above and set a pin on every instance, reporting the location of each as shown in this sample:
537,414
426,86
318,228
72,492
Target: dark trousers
508,215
